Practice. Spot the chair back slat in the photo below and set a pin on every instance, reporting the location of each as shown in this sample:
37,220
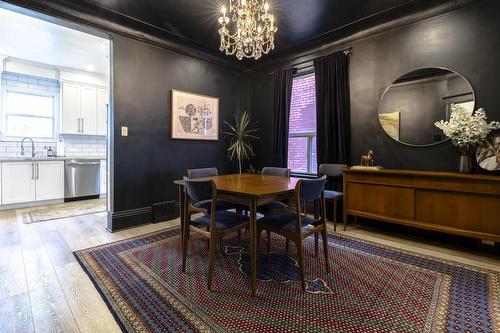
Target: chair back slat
273,171
200,173
331,170
311,189
198,190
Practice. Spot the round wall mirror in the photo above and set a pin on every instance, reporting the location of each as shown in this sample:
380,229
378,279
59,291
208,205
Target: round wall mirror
415,101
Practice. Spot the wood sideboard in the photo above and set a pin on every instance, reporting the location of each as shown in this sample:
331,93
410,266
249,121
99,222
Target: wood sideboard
460,204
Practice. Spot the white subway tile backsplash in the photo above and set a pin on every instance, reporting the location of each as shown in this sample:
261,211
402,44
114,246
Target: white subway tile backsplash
75,145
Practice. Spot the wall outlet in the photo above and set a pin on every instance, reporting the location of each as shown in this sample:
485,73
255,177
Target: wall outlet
488,242
124,131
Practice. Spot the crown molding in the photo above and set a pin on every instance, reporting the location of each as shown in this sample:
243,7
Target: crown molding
407,14
90,15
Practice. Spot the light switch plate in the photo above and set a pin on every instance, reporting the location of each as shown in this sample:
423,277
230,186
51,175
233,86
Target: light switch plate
124,131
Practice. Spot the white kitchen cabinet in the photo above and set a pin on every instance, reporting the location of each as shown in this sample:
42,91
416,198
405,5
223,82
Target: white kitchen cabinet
70,108
49,180
102,111
82,109
18,183
103,177
30,181
88,110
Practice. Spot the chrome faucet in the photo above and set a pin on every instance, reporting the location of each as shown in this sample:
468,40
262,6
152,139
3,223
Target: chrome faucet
33,153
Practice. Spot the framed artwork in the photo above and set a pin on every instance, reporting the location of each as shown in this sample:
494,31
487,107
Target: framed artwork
194,116
391,123
488,155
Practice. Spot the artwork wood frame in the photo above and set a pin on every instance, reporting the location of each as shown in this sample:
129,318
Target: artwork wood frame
193,116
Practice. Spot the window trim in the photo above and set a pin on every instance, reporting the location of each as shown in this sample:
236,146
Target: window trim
27,91
308,134
310,137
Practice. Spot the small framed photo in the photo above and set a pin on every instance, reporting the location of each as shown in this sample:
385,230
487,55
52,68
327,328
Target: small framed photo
194,116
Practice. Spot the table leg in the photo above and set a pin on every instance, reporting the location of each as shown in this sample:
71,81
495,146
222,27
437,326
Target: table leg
182,209
253,244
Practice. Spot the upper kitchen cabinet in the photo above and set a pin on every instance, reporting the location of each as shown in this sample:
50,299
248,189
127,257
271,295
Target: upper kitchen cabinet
102,111
88,110
70,108
84,104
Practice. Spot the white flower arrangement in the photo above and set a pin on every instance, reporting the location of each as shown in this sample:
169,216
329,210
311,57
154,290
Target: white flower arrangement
466,128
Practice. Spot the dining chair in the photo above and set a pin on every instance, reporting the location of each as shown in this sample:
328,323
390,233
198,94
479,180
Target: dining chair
217,223
273,207
333,171
207,204
296,226
203,172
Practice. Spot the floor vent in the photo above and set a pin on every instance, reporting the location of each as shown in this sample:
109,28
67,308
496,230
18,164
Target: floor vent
164,211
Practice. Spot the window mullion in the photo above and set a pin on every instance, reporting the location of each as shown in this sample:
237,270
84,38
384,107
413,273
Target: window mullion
309,152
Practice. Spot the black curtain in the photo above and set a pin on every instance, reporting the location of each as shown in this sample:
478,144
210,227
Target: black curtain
332,109
282,95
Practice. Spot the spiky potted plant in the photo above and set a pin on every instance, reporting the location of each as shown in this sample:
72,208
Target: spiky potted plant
241,136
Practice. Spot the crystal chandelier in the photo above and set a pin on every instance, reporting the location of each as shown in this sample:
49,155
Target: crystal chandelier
247,28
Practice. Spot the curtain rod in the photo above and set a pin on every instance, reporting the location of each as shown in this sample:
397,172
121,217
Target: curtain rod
347,51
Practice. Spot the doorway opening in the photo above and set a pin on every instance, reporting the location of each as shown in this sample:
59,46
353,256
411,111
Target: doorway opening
55,107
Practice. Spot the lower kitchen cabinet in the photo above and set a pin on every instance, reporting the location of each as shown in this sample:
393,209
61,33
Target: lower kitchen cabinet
29,181
49,180
18,182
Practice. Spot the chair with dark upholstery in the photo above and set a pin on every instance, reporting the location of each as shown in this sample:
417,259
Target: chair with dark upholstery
332,171
277,206
200,173
214,225
273,171
207,204
296,226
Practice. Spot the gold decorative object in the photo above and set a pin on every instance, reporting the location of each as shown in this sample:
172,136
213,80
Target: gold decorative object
367,160
247,28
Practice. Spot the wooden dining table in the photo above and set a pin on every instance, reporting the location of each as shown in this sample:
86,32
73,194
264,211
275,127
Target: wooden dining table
251,190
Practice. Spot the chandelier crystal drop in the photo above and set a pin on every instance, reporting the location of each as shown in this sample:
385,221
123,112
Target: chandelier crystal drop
247,28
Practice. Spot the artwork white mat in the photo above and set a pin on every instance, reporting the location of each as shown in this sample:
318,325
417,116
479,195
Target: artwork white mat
194,116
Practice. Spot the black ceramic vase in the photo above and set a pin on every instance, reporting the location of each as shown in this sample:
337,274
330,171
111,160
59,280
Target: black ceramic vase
465,151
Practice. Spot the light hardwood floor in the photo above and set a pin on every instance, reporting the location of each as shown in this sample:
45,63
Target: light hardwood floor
43,288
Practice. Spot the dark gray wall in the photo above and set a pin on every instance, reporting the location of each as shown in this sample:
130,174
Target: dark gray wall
147,161
466,41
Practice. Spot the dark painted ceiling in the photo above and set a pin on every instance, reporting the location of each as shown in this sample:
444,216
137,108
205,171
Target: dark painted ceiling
298,20
190,26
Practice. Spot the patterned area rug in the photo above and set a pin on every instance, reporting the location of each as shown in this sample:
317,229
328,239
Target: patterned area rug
371,288
63,210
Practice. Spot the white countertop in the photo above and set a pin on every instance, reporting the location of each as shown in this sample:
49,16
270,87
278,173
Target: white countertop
43,158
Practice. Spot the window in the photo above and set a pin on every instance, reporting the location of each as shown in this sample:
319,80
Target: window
302,125
29,114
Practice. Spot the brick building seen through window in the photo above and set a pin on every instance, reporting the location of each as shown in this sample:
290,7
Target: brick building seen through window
302,125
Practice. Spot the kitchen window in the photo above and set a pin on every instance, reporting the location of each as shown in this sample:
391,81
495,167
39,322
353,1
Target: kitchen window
302,126
28,114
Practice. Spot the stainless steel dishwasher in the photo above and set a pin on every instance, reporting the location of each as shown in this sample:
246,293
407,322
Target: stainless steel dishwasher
82,178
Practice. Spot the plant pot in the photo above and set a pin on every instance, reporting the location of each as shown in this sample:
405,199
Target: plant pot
465,162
